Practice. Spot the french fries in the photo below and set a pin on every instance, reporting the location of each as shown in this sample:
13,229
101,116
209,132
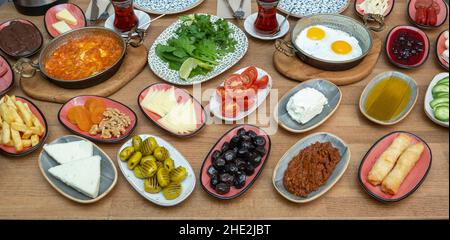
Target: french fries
19,127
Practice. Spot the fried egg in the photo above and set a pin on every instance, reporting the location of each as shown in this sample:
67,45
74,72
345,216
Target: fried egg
328,44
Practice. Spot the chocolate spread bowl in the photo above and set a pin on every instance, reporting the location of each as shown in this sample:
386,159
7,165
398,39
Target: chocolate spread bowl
20,38
134,41
339,22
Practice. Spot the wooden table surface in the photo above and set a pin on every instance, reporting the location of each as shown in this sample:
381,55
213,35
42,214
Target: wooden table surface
25,194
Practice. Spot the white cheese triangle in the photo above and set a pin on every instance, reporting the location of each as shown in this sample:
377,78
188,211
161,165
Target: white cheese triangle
65,15
67,152
83,175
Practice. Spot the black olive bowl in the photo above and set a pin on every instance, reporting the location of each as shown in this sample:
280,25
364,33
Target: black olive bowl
339,22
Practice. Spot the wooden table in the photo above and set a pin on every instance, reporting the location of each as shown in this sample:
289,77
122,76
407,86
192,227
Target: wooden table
25,194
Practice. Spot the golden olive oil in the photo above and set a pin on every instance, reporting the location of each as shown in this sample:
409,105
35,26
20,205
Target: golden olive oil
388,98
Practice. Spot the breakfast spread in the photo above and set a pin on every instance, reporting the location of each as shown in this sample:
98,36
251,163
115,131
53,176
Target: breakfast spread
378,7
19,38
395,163
439,104
78,168
235,161
311,168
153,163
20,127
328,44
306,104
95,118
388,98
83,57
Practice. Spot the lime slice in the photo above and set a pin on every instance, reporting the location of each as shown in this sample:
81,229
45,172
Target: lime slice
187,67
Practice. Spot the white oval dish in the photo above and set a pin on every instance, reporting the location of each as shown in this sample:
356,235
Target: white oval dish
429,98
250,29
214,103
188,184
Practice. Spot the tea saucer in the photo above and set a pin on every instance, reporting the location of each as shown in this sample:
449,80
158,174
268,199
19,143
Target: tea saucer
144,21
250,29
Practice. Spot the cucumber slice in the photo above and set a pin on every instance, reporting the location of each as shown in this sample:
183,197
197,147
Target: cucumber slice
437,101
441,114
442,95
444,80
439,89
441,105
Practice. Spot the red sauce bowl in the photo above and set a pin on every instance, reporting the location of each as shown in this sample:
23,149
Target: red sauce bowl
234,193
50,17
440,48
11,151
388,11
182,96
6,76
79,101
441,17
411,183
416,33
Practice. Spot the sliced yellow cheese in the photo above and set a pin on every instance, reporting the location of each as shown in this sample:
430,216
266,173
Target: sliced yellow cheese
66,16
160,102
61,27
181,119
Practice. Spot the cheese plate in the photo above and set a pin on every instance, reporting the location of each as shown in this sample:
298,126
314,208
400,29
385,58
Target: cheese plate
50,18
108,172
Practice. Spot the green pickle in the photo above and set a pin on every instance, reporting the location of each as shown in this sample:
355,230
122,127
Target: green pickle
138,172
148,146
172,191
161,153
178,174
151,185
163,177
149,168
168,163
134,160
137,142
147,158
126,153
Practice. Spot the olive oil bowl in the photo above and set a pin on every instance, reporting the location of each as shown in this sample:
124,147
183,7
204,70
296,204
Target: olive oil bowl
389,98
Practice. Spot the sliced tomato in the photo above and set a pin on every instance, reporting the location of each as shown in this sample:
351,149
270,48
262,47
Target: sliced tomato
249,76
221,93
234,81
245,103
243,93
263,82
230,109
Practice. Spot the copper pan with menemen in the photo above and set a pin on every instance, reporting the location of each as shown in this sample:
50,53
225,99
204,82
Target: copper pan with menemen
81,58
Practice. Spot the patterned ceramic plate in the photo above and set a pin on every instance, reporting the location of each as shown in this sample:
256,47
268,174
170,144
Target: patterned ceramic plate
166,6
161,69
303,8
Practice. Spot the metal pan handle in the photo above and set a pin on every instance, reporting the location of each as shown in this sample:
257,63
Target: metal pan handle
19,68
135,40
377,19
285,47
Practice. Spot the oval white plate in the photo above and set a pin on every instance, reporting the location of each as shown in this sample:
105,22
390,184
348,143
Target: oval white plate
161,68
250,28
282,165
327,88
138,184
166,6
214,103
429,98
144,21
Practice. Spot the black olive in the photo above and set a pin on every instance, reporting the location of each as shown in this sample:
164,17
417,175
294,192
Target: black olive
260,150
219,163
214,181
236,149
247,145
259,141
222,188
257,159
229,155
241,164
225,146
245,138
215,155
243,153
212,171
251,134
234,142
241,132
239,181
250,169
231,168
226,178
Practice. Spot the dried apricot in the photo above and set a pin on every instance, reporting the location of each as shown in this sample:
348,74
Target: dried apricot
82,117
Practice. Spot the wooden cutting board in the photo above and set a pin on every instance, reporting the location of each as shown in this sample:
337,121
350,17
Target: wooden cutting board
41,89
294,68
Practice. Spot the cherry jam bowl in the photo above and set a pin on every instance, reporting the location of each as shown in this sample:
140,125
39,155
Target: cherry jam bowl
407,47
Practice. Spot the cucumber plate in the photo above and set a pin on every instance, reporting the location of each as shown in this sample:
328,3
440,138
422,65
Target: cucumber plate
437,100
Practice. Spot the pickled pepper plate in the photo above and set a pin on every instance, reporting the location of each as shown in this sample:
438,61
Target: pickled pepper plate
187,184
235,162
80,101
180,96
